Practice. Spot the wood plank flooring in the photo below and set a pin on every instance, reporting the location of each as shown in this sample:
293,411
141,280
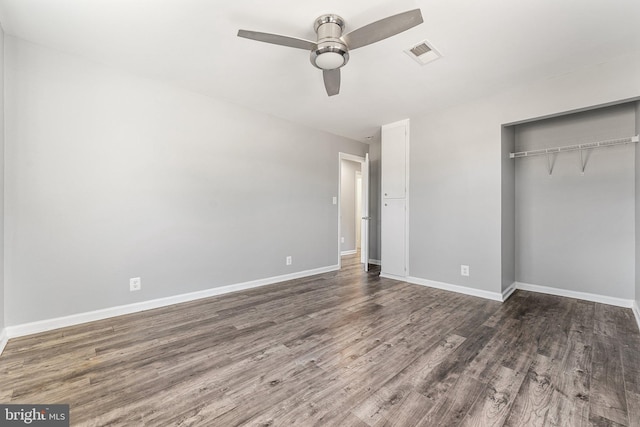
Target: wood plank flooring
340,349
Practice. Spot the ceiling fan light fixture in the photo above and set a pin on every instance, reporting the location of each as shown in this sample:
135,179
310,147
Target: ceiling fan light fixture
329,60
329,57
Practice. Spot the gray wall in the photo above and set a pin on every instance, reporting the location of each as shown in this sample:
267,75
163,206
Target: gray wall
637,158
348,205
455,209
455,169
110,176
508,208
3,302
574,231
375,153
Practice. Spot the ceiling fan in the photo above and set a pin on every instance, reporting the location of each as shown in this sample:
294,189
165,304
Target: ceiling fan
331,50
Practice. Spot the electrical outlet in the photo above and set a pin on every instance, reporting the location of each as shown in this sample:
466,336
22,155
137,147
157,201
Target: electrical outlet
464,270
289,260
334,200
135,284
342,240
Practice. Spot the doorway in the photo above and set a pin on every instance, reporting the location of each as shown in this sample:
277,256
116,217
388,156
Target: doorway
353,219
358,216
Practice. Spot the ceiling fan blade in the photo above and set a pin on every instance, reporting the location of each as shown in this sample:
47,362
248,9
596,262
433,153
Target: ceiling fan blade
277,39
332,81
382,29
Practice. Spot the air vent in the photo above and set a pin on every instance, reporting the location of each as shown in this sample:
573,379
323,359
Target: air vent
423,53
420,50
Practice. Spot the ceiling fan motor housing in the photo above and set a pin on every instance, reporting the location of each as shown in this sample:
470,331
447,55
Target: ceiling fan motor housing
331,52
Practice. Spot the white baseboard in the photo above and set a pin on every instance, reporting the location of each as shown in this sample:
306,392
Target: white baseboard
375,262
636,311
496,296
392,276
509,291
75,319
351,252
603,299
3,340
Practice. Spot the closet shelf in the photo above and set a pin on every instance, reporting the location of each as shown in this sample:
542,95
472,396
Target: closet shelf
586,146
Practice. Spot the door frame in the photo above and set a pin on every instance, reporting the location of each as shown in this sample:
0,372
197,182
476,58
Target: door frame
354,158
358,218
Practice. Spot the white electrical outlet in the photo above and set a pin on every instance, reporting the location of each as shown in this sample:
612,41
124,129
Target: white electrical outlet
342,240
464,270
289,260
135,284
334,200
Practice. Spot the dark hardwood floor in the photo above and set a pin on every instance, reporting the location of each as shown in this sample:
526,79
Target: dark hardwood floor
340,349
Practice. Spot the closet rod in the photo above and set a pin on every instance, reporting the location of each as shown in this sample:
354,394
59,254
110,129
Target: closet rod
586,146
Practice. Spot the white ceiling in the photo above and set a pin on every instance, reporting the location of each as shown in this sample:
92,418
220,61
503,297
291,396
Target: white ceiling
486,45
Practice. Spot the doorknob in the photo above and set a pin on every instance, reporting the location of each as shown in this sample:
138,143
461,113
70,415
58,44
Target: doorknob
366,217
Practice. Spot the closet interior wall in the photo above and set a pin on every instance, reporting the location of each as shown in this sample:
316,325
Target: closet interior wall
576,231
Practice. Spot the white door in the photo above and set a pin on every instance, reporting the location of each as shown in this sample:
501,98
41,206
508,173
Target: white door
364,224
395,199
393,237
394,162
